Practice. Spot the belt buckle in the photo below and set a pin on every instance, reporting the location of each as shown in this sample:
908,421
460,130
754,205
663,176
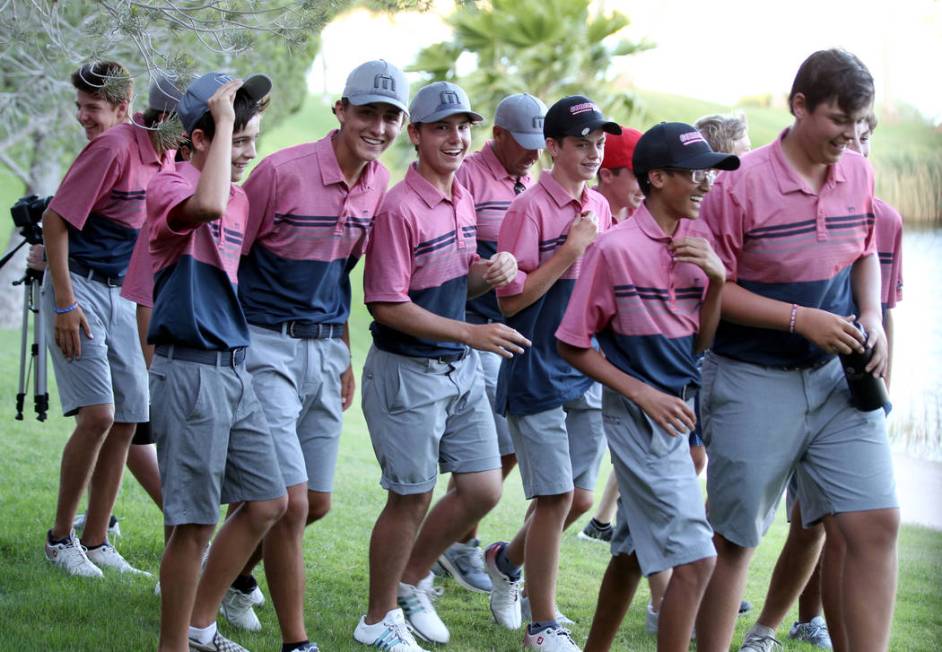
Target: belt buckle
321,331
290,329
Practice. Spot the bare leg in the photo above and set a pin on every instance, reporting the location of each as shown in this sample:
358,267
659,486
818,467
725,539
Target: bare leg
608,505
699,457
106,482
658,585
618,589
142,462
284,565
720,605
507,464
681,601
541,557
179,573
832,571
809,602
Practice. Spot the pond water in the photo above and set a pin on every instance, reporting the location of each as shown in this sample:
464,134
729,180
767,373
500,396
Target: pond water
916,390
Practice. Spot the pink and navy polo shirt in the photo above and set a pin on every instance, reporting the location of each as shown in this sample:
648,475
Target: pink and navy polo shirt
492,188
102,196
889,226
781,240
196,300
138,283
641,305
422,246
536,225
306,231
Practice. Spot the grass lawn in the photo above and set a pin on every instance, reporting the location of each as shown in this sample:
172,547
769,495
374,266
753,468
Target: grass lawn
41,608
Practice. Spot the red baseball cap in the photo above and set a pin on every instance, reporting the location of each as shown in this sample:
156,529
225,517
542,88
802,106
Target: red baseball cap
619,148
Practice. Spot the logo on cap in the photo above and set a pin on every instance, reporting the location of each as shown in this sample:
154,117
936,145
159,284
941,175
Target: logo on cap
384,82
691,137
449,97
538,122
576,109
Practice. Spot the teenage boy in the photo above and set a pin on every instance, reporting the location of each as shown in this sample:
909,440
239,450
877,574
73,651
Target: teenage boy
311,209
423,398
792,226
554,411
650,292
89,231
212,438
802,553
494,176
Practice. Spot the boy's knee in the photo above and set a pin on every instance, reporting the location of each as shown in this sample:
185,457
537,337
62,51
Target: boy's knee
318,505
581,502
95,420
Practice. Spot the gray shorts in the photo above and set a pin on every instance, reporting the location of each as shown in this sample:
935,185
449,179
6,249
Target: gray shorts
299,383
661,516
111,368
213,444
423,414
760,425
490,368
561,448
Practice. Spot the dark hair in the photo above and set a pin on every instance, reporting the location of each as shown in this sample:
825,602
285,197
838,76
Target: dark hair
872,122
107,80
245,109
833,75
344,102
644,183
152,117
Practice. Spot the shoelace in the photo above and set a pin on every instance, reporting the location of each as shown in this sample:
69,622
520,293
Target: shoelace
761,638
817,632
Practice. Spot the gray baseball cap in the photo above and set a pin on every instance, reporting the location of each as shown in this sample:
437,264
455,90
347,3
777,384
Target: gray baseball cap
377,81
439,100
163,94
522,115
194,104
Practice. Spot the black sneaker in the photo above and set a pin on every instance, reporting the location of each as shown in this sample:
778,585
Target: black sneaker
594,532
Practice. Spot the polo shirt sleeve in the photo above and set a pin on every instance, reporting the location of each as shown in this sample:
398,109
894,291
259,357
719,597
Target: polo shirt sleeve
592,303
520,236
138,285
896,273
166,192
387,273
870,245
261,188
724,215
604,213
90,178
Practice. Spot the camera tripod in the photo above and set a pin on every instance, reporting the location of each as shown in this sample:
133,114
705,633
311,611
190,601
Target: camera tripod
32,284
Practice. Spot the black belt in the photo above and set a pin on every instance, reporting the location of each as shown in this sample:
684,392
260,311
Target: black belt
807,366
87,272
305,330
474,318
452,357
232,358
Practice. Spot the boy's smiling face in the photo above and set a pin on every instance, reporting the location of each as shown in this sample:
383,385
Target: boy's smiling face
243,146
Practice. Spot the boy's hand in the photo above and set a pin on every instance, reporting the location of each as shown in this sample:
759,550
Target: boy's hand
221,104
669,412
830,332
501,269
582,232
36,258
876,339
497,338
348,386
68,338
699,252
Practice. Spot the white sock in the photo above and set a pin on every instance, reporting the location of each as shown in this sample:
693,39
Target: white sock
203,635
762,630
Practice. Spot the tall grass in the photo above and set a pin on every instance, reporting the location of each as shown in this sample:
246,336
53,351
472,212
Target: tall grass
912,183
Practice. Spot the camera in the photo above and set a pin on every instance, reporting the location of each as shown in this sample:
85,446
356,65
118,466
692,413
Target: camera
27,215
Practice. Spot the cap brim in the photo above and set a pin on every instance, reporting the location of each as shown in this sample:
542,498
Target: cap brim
257,86
529,140
710,161
441,115
360,100
605,125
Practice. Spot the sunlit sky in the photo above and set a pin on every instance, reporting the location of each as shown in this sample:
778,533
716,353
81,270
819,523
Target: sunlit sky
719,50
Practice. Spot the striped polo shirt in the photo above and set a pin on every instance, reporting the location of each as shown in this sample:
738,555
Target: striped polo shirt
422,247
889,226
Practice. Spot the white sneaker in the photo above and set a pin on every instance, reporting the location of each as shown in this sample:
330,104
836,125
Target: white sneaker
105,556
71,557
815,631
219,644
758,641
550,640
257,597
526,616
650,620
505,596
465,563
114,528
390,635
236,606
416,604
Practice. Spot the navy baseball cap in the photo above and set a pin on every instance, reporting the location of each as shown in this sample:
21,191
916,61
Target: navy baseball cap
576,115
440,100
680,146
194,104
377,81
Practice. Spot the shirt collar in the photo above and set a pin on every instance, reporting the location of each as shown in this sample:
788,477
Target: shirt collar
429,193
495,167
653,230
559,194
330,168
789,180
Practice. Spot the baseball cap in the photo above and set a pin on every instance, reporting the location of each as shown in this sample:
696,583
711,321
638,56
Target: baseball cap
576,115
194,104
619,148
377,81
522,115
163,94
678,145
439,100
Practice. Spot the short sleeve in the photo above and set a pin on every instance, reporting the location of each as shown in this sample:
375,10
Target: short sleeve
166,192
724,215
520,236
592,303
89,180
387,274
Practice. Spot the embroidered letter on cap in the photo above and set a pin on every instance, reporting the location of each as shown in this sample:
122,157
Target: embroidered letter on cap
384,82
449,97
576,109
691,137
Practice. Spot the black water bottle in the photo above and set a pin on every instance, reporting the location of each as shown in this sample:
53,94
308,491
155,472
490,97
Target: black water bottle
867,392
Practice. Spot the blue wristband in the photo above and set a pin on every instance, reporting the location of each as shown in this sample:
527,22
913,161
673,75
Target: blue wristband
62,311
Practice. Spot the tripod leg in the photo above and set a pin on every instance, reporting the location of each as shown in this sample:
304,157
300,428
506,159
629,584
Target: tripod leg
24,331
41,391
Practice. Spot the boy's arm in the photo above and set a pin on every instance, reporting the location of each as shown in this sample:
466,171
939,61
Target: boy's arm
582,233
410,318
865,283
698,251
68,324
669,412
494,272
348,381
211,198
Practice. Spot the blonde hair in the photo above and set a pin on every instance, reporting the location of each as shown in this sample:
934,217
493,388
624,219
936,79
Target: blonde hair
722,131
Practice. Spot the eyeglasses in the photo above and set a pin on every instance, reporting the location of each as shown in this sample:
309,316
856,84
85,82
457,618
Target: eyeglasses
697,176
518,186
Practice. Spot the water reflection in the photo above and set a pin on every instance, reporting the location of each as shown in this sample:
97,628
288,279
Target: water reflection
916,392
